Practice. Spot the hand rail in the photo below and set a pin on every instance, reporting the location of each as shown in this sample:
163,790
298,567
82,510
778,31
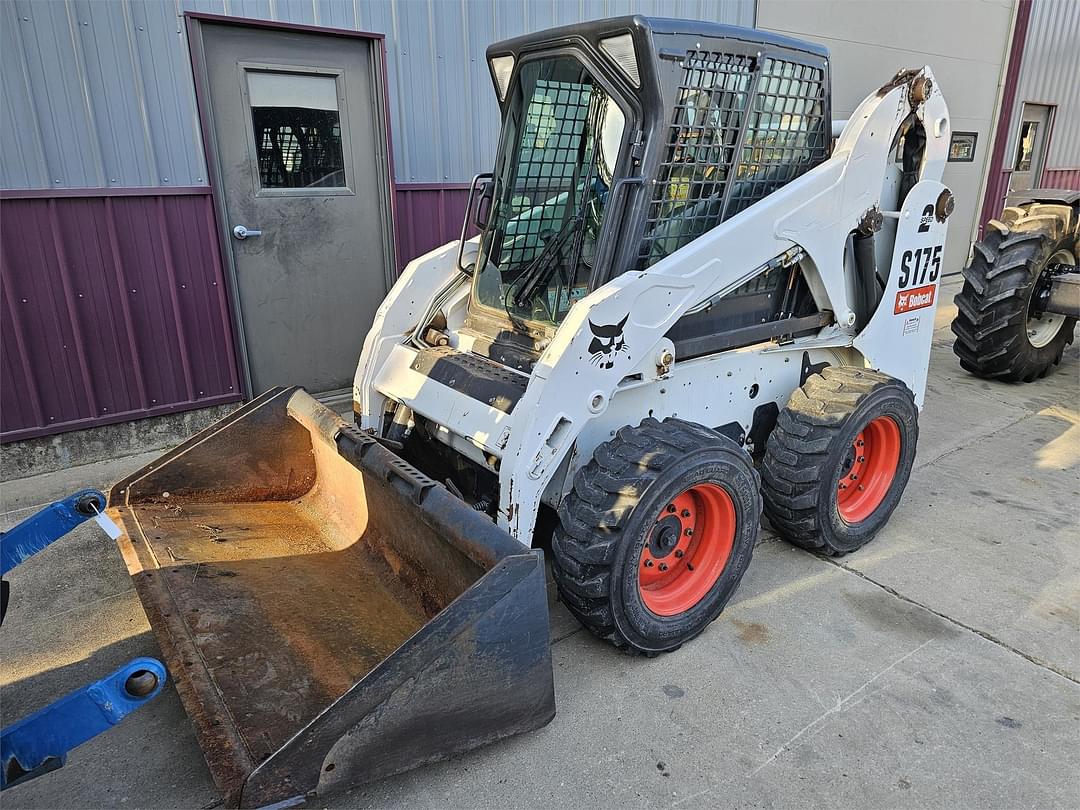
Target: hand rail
468,219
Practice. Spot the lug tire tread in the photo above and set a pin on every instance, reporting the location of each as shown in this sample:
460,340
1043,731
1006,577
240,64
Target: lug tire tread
992,316
595,512
796,461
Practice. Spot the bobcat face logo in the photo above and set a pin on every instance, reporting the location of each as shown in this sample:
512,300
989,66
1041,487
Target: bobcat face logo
607,342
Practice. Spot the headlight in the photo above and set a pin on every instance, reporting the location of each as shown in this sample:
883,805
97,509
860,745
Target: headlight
502,67
621,50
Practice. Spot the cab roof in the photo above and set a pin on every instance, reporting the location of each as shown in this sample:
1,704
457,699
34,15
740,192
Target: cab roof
659,25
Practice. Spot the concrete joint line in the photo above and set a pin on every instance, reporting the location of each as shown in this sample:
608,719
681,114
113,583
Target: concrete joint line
567,635
841,705
982,437
982,634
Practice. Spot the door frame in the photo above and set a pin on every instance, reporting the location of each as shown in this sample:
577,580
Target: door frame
1051,114
193,22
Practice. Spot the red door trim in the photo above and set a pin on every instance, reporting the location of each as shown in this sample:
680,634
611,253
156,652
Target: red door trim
991,206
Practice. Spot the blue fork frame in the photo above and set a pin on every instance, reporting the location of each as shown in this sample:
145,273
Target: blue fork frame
40,742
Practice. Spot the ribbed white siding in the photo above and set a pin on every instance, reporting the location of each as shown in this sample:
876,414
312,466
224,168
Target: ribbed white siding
99,92
1050,74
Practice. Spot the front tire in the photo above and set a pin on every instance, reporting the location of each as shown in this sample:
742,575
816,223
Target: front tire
656,534
839,458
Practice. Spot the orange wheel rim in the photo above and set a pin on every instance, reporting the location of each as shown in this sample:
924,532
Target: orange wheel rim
687,549
868,470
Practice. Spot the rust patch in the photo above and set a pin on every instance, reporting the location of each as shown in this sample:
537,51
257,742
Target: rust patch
752,632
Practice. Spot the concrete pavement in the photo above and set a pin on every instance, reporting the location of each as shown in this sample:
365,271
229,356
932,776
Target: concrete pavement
940,666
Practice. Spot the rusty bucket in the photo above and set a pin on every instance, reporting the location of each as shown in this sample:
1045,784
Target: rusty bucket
330,615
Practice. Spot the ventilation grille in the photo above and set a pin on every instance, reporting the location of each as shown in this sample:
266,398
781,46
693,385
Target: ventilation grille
742,127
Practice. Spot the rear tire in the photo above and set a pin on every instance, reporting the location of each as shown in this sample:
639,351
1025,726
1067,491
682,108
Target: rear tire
656,534
839,458
999,333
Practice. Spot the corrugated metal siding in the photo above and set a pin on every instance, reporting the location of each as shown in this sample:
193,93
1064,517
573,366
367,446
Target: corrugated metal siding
114,307
1061,178
96,95
99,94
428,216
1050,74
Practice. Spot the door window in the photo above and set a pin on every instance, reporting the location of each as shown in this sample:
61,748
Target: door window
1029,131
296,124
561,138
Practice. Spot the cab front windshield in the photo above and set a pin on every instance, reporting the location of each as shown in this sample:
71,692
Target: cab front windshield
560,142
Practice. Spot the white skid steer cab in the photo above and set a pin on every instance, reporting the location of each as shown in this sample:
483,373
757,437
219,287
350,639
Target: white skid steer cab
690,301
685,302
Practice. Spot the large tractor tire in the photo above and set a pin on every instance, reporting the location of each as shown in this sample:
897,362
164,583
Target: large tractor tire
838,460
1000,331
656,534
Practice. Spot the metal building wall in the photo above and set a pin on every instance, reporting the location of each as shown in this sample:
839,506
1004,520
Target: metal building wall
113,307
1050,74
99,94
1043,68
113,303
96,95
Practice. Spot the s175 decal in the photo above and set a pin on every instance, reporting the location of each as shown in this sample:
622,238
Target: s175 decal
920,266
919,272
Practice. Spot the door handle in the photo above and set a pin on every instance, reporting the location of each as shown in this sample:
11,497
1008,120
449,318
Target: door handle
241,232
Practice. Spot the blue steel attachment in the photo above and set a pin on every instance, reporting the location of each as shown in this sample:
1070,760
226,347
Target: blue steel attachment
48,526
40,743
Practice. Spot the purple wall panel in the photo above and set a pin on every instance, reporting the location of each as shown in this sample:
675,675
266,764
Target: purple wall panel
997,187
1061,178
428,216
113,304
114,307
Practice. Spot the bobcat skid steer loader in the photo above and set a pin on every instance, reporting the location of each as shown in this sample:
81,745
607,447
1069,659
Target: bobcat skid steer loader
685,302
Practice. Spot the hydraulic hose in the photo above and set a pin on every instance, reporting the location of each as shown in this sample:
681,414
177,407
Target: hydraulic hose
866,283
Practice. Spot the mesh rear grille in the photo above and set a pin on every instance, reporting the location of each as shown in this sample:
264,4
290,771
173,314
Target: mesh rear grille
742,127
785,134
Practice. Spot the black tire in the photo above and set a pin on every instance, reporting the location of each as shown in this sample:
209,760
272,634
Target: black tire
618,502
995,317
811,448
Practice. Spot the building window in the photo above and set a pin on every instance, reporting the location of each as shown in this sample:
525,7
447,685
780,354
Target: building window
962,147
1029,130
297,126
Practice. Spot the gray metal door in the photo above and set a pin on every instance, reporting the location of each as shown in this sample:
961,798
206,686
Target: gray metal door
297,128
1030,147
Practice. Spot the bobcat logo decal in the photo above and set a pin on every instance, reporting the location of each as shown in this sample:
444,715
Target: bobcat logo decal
607,342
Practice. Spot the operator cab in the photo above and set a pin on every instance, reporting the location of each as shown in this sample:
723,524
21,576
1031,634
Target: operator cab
623,140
